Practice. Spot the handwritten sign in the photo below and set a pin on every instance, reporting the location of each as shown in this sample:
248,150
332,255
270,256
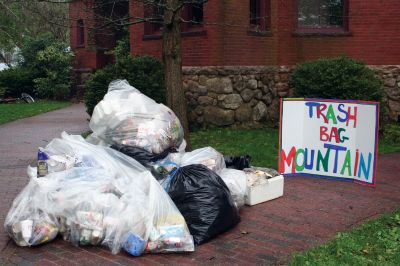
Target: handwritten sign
329,138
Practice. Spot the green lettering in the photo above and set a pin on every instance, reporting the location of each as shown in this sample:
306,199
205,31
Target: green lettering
346,164
331,115
342,138
300,167
323,159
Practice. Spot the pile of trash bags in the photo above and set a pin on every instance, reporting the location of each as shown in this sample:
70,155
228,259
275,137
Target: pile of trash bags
130,185
95,195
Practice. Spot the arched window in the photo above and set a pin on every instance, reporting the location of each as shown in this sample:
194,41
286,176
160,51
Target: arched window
80,33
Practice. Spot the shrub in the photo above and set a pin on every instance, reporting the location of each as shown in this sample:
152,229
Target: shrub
97,86
44,70
55,61
339,78
32,46
14,81
391,133
145,73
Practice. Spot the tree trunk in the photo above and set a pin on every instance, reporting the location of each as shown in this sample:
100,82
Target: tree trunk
173,64
4,59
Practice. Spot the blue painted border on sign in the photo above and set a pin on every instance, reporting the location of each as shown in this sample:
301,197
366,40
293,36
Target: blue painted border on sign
320,177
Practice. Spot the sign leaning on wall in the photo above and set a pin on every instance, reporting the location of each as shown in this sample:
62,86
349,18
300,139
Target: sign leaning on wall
335,139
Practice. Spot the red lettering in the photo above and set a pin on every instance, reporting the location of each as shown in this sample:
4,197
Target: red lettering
320,108
288,159
323,136
352,116
333,134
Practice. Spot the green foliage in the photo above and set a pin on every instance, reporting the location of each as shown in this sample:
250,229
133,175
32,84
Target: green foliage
44,71
14,81
374,243
391,136
122,50
145,73
28,19
14,111
338,78
55,61
96,87
32,46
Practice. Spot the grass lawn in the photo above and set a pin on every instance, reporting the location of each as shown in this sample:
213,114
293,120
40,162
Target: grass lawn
376,242
14,111
385,146
261,143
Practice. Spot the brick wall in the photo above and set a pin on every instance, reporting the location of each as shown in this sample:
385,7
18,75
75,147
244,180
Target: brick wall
201,48
373,36
92,54
374,26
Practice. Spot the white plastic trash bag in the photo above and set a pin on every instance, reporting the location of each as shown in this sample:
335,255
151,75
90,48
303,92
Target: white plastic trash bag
106,198
30,221
236,181
206,156
127,117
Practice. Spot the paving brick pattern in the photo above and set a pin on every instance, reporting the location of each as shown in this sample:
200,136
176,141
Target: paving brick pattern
311,212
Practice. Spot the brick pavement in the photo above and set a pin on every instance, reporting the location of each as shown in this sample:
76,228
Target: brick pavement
311,212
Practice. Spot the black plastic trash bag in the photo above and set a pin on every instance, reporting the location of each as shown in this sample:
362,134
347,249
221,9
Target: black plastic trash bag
204,201
141,155
237,162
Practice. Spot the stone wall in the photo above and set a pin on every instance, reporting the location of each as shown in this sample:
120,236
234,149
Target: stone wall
243,95
390,75
224,96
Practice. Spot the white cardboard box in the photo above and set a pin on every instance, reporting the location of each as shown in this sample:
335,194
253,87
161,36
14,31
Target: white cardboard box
265,192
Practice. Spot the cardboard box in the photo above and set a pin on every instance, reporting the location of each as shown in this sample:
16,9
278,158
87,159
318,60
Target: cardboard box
271,190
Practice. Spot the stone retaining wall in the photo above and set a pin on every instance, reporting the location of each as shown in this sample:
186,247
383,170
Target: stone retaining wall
390,75
241,95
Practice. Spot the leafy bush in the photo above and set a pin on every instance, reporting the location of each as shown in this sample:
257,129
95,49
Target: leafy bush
145,73
55,61
122,50
97,86
339,78
14,81
31,48
44,70
391,132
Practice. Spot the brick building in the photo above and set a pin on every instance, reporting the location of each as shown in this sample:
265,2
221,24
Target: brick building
237,54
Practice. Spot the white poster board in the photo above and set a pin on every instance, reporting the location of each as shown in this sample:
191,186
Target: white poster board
335,139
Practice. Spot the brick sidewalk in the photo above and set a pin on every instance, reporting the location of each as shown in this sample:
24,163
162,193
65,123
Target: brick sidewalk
311,212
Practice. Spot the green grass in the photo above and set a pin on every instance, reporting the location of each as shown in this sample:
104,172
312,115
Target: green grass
391,142
386,146
14,111
376,242
261,143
